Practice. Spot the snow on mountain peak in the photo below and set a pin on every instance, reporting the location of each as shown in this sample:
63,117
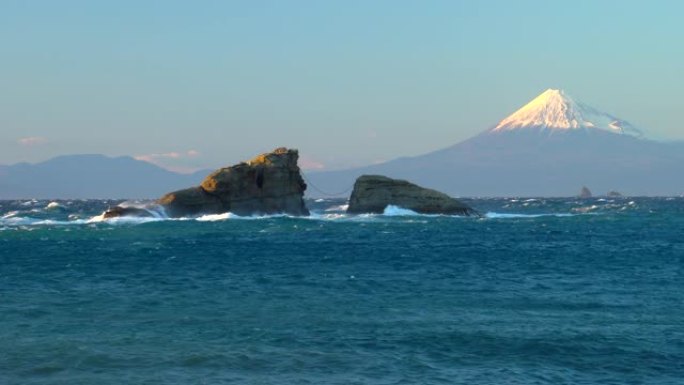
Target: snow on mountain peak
555,110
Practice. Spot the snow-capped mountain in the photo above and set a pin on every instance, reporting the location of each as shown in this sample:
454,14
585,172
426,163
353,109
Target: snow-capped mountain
555,110
552,146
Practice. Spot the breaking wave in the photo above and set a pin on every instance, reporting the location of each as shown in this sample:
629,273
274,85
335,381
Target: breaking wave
23,213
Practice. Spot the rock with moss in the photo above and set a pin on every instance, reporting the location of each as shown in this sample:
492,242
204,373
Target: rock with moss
373,193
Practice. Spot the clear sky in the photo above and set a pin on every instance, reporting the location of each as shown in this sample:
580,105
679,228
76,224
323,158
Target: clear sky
192,84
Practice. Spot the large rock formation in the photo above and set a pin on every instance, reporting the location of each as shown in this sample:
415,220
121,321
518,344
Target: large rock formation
373,193
271,183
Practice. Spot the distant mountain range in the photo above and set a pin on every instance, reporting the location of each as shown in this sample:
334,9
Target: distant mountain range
91,176
552,146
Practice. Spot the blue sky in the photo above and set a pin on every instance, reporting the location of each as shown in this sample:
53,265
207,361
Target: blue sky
203,84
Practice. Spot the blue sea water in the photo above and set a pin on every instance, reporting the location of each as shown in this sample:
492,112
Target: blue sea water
538,291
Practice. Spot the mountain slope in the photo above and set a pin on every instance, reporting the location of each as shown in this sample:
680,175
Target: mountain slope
552,146
91,176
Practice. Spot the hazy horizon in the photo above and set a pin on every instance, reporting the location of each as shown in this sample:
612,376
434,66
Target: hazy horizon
349,84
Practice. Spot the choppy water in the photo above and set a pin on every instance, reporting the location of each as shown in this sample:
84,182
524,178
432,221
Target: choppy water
538,292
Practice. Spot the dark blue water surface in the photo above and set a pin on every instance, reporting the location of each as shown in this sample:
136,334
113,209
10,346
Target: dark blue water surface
558,291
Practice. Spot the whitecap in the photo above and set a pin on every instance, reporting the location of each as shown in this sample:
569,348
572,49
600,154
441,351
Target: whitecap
585,209
10,214
392,211
117,220
29,221
327,216
53,205
338,208
215,217
229,215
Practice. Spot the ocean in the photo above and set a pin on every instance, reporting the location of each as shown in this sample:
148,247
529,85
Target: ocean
537,291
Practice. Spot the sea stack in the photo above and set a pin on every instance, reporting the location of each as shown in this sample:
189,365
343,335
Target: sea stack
373,193
271,183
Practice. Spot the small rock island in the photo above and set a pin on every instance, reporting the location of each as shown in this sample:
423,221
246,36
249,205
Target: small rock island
373,193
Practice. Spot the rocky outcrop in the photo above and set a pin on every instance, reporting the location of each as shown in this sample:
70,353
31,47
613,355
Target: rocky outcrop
191,201
121,211
373,193
271,183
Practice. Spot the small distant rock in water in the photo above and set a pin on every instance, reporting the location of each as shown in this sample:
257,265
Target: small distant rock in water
119,211
271,183
373,193
585,193
614,194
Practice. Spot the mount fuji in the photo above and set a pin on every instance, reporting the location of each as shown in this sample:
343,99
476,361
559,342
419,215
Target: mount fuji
553,111
552,146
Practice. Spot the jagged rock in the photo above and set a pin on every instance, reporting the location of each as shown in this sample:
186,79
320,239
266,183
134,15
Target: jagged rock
613,194
271,183
373,193
585,192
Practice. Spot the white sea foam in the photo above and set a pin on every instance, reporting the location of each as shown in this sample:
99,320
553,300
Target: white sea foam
395,211
125,220
53,206
330,216
10,214
29,221
229,215
585,209
494,215
215,217
338,208
146,205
